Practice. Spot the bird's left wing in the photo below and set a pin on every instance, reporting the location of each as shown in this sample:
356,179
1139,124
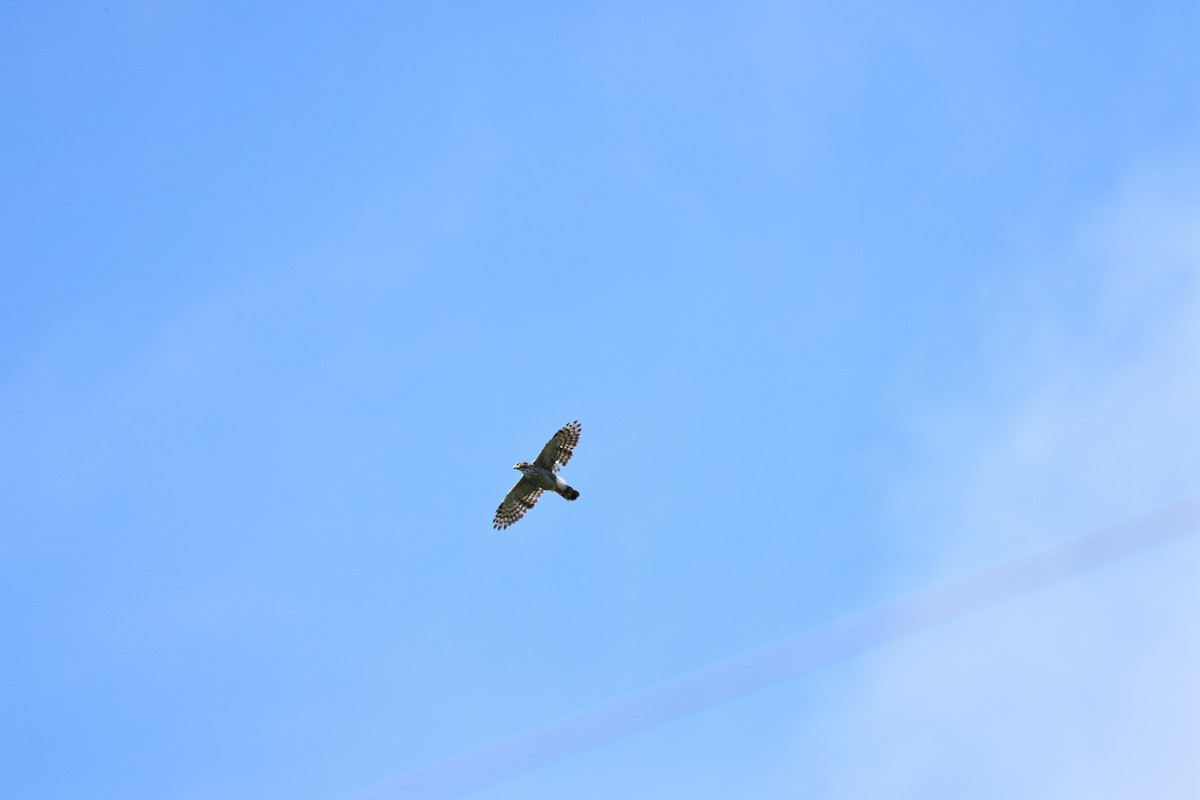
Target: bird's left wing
560,448
519,499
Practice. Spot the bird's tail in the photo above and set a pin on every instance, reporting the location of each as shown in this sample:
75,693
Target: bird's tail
569,493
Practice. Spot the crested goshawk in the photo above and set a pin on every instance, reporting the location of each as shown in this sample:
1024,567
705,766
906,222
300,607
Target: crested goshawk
539,477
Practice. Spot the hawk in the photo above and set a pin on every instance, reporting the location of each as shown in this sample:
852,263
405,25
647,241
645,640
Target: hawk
539,477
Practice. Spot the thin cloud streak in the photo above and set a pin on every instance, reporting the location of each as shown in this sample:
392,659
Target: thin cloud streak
847,637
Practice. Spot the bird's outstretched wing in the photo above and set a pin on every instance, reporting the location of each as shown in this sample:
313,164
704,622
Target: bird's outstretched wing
519,499
560,448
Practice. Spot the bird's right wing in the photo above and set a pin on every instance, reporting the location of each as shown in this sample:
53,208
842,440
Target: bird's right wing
560,448
519,499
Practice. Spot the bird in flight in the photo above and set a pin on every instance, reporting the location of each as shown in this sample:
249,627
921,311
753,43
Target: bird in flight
539,477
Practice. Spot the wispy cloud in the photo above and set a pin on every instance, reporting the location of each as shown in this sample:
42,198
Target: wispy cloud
1089,690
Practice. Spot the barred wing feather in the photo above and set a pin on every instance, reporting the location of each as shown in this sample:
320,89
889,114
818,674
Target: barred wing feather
560,448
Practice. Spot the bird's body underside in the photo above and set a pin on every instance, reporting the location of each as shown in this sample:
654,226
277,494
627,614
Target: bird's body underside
539,476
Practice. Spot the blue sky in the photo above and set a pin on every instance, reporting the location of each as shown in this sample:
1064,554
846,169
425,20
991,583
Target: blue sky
878,293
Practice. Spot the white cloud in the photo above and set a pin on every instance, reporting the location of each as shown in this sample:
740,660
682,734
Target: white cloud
1090,689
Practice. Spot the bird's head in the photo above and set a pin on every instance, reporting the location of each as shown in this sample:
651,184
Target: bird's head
522,465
